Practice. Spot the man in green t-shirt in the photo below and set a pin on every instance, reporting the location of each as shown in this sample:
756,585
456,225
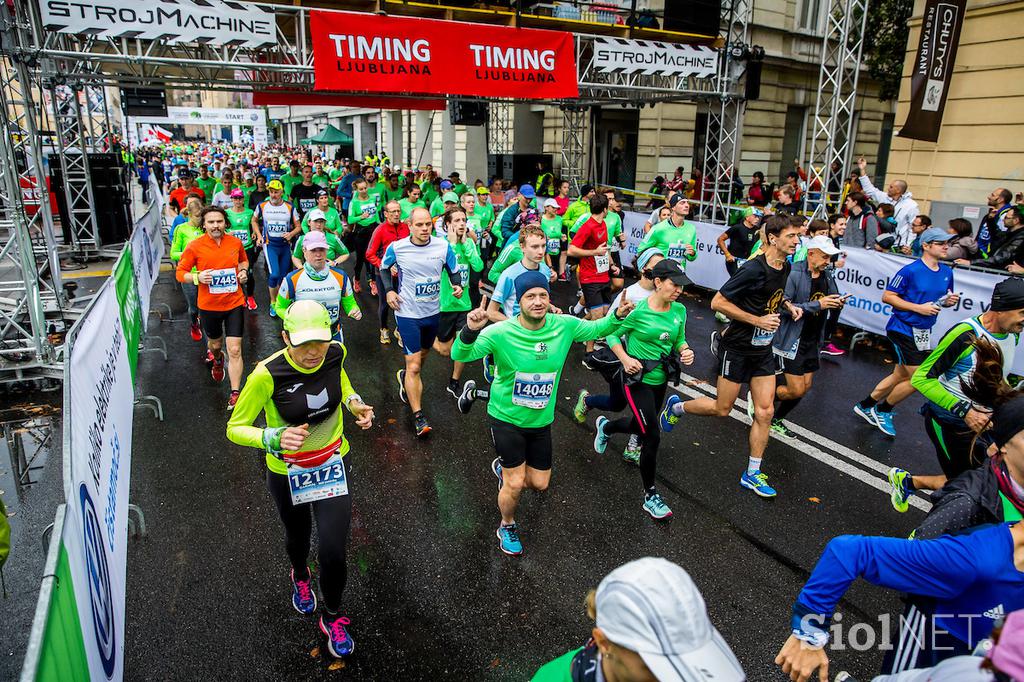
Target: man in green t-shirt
454,310
291,178
551,223
529,352
458,186
206,182
675,236
334,175
390,190
320,177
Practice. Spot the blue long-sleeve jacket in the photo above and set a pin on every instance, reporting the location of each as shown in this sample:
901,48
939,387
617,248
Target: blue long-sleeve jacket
972,578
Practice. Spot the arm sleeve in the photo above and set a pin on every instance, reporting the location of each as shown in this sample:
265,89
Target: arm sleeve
483,345
941,568
589,330
255,393
873,192
451,264
951,348
389,257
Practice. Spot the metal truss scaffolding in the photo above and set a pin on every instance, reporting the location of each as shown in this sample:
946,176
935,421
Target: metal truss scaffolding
499,128
725,114
575,124
841,49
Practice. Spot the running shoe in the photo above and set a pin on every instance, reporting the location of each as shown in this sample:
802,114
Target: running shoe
496,469
586,363
750,406
209,358
400,376
656,507
273,312
339,643
217,370
453,388
781,429
467,397
194,331
844,676
668,417
422,426
832,349
722,318
601,439
508,540
883,420
232,399
250,303
715,337
357,287
303,594
757,482
373,288
580,410
899,488
564,277
631,455
398,337
488,369
867,413
385,338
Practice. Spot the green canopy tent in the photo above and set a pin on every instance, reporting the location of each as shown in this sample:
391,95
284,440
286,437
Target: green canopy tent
330,135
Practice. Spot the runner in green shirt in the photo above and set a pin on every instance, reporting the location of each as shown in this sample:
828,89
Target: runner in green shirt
676,237
458,186
206,182
468,204
453,310
337,253
429,189
484,211
390,189
323,202
410,201
655,348
334,175
320,177
551,223
363,219
291,178
529,352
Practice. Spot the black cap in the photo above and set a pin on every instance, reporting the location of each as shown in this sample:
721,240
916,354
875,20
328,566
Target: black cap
676,198
1008,295
322,193
669,269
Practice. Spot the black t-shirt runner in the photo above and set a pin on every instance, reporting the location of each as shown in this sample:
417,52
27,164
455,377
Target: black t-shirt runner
741,240
756,288
304,198
811,331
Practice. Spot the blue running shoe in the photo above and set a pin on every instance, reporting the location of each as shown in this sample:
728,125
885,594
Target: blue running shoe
866,413
496,468
488,369
757,482
668,418
303,594
883,420
899,488
508,540
601,439
273,313
339,643
656,507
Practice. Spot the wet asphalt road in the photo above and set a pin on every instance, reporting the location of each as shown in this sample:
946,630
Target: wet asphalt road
430,595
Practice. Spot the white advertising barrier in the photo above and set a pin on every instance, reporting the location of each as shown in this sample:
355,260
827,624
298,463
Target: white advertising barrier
863,277
147,251
96,530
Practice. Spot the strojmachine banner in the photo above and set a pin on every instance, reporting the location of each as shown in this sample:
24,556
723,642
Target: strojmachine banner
365,52
933,68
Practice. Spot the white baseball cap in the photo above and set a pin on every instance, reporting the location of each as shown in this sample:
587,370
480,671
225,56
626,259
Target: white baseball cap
823,244
652,606
316,214
550,202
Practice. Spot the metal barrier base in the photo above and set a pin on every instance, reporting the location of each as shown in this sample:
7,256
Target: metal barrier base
159,341
150,402
136,528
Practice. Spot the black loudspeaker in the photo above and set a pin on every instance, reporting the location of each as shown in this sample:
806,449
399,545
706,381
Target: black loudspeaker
466,113
143,102
701,17
110,197
752,88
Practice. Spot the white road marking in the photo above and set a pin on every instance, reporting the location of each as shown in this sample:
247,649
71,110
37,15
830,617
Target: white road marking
704,390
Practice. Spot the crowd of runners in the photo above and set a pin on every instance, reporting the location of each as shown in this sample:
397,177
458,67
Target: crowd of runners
466,272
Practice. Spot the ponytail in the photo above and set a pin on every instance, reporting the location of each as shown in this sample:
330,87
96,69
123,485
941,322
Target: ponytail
988,386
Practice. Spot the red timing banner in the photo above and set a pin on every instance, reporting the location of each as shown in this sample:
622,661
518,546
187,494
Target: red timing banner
366,52
275,97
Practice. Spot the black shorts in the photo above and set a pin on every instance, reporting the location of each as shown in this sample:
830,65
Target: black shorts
741,369
596,295
516,445
218,323
906,350
450,324
805,362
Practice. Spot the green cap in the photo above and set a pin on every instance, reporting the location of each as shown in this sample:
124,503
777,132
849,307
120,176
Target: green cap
307,321
450,196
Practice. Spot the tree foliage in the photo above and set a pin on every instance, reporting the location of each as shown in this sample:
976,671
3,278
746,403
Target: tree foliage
885,43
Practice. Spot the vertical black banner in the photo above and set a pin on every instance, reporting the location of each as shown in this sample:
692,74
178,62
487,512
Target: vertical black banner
933,68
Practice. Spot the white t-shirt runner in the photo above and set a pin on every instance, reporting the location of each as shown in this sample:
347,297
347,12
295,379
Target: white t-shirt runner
419,274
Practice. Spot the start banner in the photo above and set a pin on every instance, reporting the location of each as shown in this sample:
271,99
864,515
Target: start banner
864,275
365,52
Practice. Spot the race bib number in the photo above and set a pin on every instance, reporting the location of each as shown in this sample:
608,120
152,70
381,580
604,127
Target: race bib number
318,483
368,210
277,229
224,281
427,290
240,235
923,339
463,271
761,337
601,263
554,245
533,390
677,252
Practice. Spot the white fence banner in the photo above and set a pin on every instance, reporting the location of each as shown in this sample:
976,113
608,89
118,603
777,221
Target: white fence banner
619,55
96,531
864,276
147,251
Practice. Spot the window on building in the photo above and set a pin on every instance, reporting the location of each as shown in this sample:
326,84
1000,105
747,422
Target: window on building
811,15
